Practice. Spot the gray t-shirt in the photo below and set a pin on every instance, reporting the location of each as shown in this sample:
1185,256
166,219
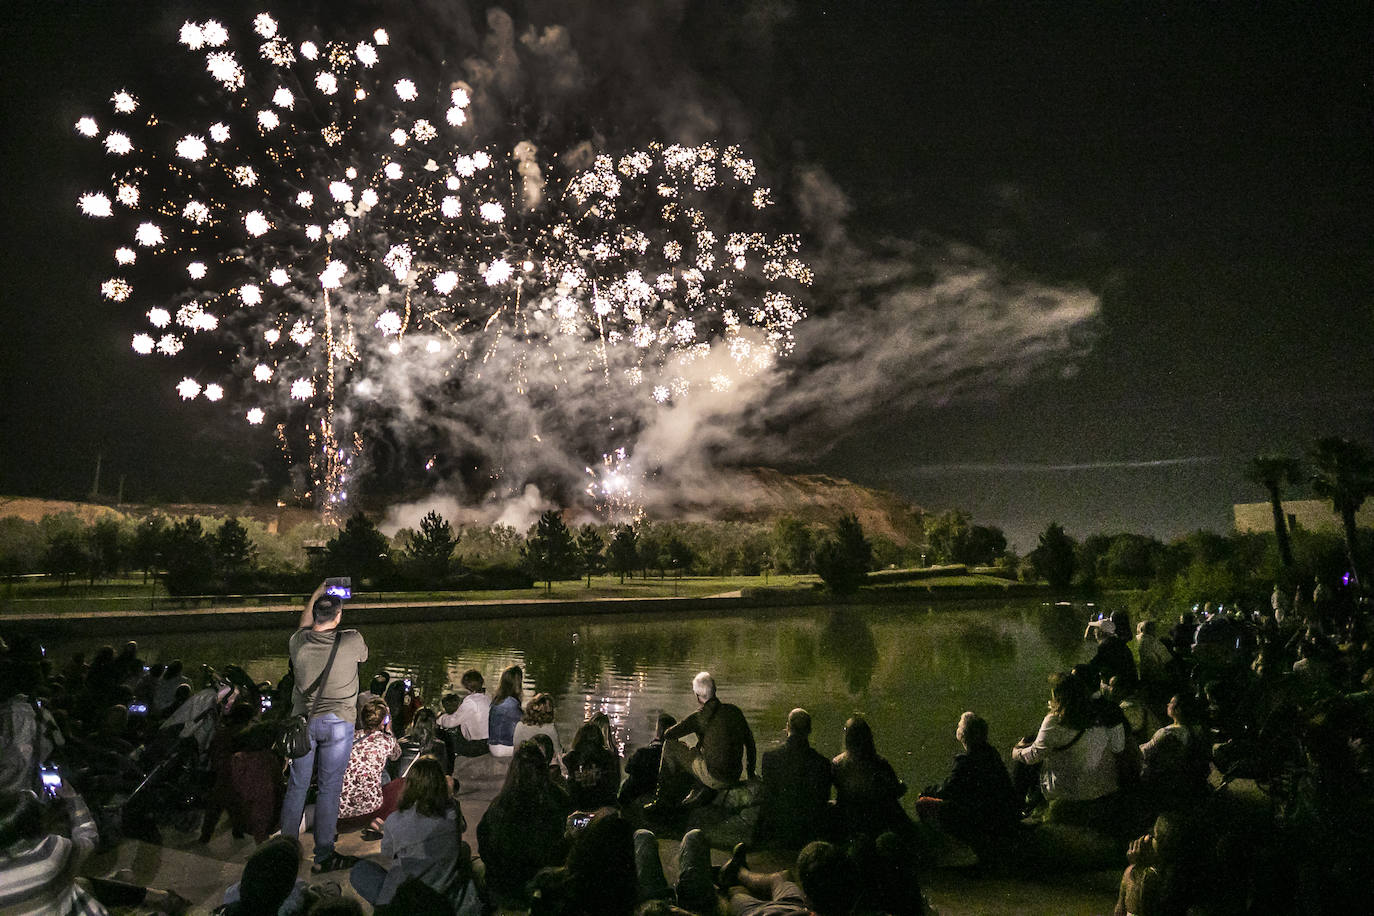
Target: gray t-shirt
339,693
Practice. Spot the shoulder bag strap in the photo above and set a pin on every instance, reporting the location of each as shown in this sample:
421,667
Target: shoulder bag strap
1065,747
319,681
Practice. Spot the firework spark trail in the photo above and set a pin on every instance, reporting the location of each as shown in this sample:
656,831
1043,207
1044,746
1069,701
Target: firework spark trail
330,219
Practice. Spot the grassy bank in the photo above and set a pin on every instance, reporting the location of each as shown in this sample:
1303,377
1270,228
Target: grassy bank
41,597
47,598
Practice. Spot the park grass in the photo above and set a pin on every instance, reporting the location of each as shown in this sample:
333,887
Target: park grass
40,596
972,579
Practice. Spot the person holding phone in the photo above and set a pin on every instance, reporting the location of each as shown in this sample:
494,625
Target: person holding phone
325,660
38,868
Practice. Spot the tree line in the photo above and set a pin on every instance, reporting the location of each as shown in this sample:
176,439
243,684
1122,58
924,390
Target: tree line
1204,566
204,555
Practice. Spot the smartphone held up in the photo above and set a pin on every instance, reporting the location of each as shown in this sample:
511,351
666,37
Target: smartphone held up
339,586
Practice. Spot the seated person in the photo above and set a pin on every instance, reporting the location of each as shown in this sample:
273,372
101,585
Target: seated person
827,884
641,769
723,738
593,770
1072,757
422,838
1138,718
471,718
599,876
420,739
362,795
1156,660
545,745
1151,884
375,691
976,803
1113,658
1177,759
269,883
505,712
867,790
38,869
695,890
796,788
523,829
538,720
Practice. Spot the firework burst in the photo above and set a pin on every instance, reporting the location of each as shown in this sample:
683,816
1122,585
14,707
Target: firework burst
326,219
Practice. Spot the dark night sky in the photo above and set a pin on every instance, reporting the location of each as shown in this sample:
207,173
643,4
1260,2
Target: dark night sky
1206,169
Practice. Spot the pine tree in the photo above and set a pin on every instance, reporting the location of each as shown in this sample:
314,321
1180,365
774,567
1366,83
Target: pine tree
590,551
844,559
430,551
359,550
550,551
235,553
188,558
149,538
624,552
1055,559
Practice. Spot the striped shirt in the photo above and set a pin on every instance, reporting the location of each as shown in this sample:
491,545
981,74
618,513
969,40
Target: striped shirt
37,878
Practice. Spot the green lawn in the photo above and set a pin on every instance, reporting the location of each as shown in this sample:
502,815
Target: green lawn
42,596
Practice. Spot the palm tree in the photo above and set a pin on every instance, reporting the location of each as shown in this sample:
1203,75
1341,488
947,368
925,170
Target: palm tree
1274,472
1344,474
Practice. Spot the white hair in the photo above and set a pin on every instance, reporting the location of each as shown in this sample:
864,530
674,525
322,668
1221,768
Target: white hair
704,686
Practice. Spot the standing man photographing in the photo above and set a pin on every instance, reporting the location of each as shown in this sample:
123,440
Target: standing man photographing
325,660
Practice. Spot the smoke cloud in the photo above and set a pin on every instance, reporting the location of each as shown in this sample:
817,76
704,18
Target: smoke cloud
894,323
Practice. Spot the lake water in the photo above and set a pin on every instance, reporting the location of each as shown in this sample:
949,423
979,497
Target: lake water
911,669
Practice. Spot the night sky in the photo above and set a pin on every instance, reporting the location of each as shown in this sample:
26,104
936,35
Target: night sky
1205,171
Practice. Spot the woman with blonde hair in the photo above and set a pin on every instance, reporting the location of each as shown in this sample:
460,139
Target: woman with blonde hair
1073,756
538,720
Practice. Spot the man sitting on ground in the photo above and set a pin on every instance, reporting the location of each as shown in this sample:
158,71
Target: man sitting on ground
976,803
796,787
723,735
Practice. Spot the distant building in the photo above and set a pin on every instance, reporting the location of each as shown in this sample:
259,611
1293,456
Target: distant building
1308,514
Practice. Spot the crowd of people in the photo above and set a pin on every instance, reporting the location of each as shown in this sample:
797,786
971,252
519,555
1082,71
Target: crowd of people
1135,748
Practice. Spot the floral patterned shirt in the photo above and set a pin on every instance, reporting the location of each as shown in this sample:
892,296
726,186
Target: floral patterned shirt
362,782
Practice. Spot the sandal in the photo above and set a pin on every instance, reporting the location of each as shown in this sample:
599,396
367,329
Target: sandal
335,862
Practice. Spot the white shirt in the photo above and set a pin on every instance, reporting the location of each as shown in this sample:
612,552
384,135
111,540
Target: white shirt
1081,772
472,716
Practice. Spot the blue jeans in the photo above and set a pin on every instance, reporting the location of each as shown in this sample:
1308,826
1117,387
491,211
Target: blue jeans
695,889
367,878
331,739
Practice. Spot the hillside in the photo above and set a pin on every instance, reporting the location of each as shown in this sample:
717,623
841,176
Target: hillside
763,494
754,494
